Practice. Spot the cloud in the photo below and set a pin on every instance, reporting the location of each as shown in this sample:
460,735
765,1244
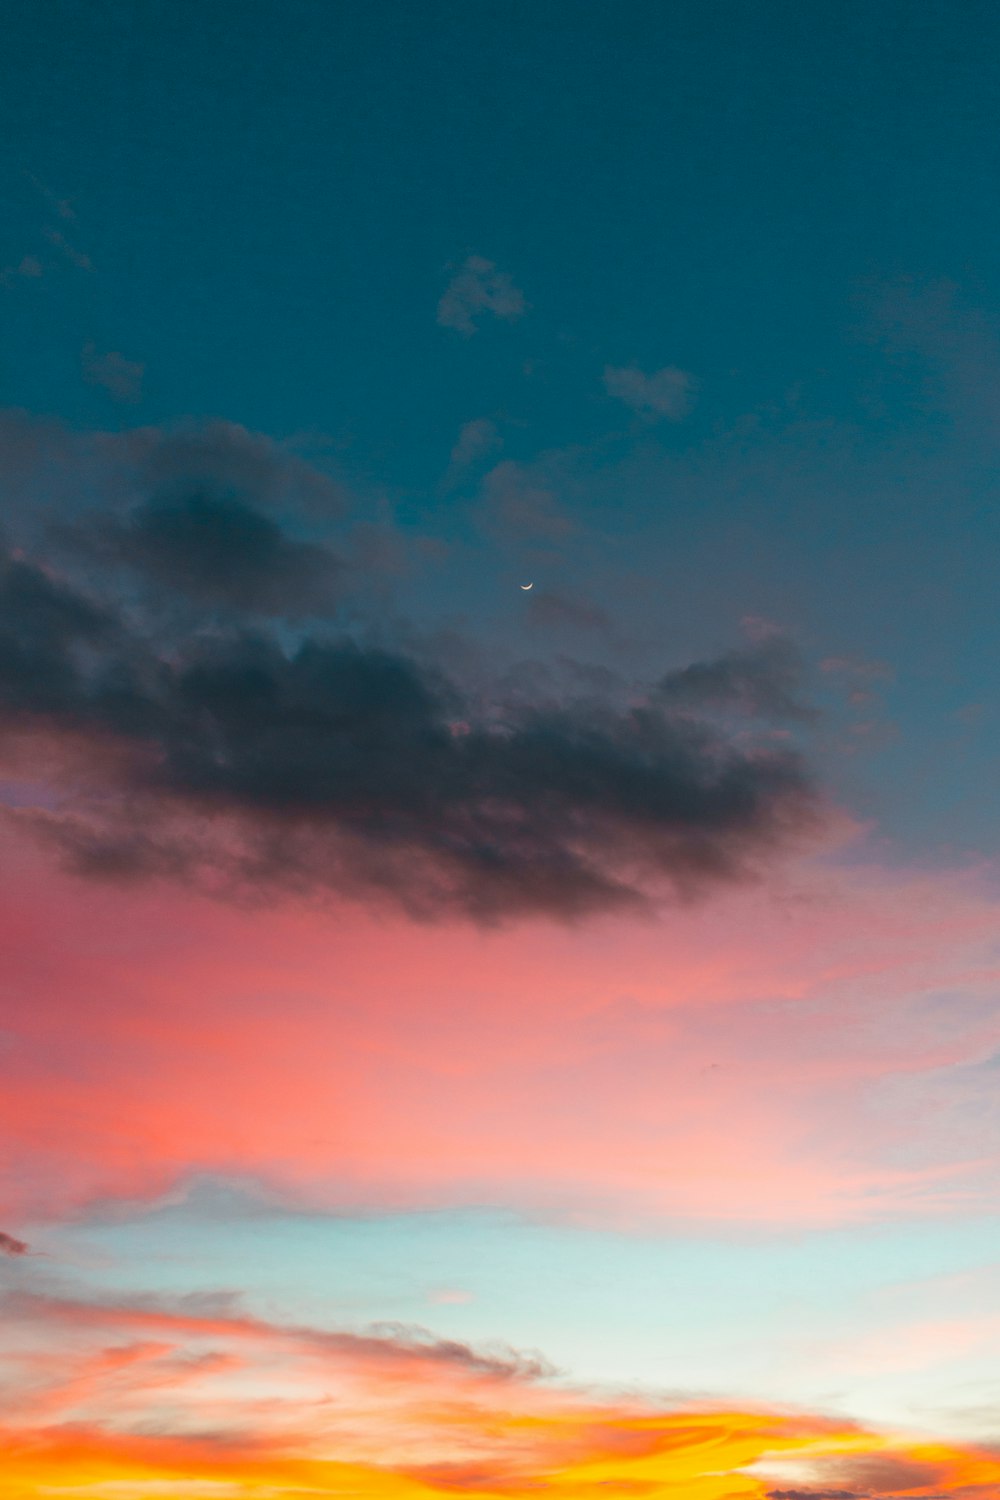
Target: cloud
872,1475
552,609
226,460
332,764
11,1246
120,376
76,257
211,514
665,393
29,266
384,1345
814,1495
764,681
222,551
475,440
62,207
478,288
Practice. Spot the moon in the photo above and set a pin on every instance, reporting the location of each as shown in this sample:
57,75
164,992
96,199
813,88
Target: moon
526,586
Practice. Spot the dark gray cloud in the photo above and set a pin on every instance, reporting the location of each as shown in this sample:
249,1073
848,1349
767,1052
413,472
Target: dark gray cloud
814,1495
324,763
227,460
190,720
221,551
11,1246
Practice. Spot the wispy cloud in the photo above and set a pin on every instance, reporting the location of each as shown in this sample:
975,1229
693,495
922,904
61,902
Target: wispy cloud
29,268
555,609
517,503
475,440
476,289
121,377
76,257
61,207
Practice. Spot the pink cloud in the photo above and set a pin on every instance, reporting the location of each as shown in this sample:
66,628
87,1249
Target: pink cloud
762,1059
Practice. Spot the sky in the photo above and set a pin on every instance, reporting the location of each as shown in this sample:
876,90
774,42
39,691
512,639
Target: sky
499,762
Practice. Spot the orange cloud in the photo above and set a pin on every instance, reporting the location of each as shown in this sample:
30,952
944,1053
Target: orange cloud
119,1403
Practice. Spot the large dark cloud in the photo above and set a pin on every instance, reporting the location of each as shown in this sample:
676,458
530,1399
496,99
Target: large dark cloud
329,763
219,739
11,1246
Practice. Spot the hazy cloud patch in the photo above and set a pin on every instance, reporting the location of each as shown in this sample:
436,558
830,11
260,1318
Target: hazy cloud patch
554,609
476,440
665,393
764,681
518,504
479,288
121,377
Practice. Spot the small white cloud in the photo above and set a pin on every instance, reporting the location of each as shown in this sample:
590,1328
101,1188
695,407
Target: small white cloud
478,287
121,376
475,440
665,393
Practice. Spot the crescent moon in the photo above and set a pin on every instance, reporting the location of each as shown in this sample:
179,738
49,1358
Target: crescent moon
527,586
